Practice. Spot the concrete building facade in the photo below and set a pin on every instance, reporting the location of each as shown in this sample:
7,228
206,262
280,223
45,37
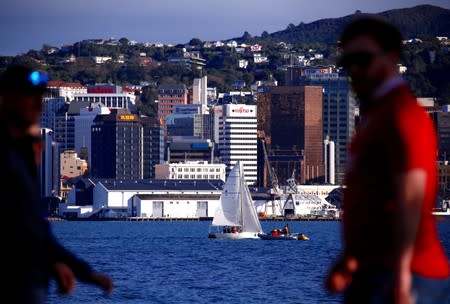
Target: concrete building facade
199,170
236,137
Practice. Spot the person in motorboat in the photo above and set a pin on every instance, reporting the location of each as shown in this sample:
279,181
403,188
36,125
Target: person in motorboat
275,232
285,229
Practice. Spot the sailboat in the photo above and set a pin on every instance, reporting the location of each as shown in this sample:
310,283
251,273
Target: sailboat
236,216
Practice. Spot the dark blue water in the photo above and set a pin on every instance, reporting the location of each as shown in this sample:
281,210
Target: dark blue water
175,262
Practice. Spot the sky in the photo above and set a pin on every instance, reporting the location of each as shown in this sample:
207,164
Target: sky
29,24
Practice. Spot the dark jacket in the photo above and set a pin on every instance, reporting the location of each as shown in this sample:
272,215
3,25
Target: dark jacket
29,247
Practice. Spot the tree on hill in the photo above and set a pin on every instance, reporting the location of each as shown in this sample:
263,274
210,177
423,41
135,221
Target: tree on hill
195,42
246,37
265,35
146,101
124,41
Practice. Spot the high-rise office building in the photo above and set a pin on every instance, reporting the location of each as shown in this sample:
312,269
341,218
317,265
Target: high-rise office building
290,124
50,110
190,120
170,95
49,165
153,142
236,137
442,122
339,112
200,91
65,125
82,129
120,147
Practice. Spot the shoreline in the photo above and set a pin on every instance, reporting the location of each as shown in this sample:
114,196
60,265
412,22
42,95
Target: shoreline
166,219
440,216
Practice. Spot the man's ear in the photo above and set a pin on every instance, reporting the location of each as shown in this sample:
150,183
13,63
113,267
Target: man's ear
394,57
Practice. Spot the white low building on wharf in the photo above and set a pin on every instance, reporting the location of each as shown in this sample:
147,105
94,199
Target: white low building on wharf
147,199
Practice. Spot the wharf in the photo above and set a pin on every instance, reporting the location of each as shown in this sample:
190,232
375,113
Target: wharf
55,219
167,219
278,218
300,218
191,219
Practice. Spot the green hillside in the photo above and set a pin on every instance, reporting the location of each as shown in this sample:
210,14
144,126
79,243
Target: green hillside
427,62
418,21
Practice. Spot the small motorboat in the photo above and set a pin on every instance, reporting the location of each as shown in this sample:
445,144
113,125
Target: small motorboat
285,237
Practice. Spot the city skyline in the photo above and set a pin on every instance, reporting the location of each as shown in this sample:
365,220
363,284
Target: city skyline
28,25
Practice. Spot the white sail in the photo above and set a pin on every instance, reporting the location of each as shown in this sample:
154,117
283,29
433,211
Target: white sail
226,214
250,220
236,206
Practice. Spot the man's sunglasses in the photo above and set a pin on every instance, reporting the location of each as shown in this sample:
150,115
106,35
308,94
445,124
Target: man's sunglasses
362,59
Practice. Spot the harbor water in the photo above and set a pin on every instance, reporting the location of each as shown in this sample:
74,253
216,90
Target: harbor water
175,262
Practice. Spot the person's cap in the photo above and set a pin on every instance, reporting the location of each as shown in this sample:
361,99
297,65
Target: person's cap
22,79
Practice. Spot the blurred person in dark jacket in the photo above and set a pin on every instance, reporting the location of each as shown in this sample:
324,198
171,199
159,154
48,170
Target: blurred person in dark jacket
392,252
32,255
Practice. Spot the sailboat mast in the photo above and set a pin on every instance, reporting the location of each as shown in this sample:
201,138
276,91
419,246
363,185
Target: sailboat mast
241,189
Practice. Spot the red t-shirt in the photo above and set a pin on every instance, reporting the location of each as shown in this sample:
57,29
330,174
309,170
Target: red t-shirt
397,135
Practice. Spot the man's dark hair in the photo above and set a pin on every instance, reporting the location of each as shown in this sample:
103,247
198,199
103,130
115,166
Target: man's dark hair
388,37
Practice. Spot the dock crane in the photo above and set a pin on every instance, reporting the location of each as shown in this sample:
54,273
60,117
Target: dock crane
275,188
291,191
291,183
275,191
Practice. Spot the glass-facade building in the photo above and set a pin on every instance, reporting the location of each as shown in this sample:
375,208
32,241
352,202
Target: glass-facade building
339,112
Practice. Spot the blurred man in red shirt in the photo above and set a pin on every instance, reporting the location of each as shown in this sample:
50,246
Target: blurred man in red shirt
392,252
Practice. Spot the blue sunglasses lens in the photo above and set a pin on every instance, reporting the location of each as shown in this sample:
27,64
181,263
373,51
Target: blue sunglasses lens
38,78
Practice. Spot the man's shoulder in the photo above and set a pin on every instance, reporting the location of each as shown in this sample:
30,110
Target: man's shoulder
404,102
402,91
